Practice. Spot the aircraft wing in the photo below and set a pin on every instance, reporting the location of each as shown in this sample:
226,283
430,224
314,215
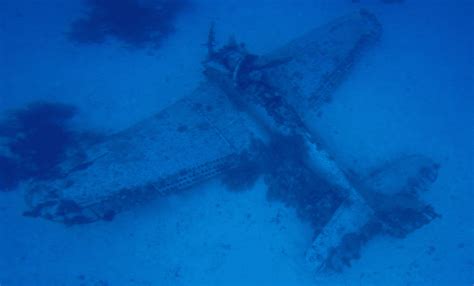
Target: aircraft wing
192,140
200,135
320,61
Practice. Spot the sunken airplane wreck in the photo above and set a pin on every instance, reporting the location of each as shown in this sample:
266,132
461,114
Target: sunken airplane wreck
248,101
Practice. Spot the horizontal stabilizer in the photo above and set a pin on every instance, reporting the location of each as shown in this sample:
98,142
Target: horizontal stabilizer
394,192
391,205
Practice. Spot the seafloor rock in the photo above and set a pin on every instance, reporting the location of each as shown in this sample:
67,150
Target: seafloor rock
136,23
35,140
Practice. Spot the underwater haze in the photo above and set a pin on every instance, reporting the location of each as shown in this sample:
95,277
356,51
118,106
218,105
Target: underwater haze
225,142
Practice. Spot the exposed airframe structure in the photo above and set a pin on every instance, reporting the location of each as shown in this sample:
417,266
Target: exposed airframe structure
244,98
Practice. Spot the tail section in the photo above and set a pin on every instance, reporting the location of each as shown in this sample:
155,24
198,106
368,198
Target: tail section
394,191
391,205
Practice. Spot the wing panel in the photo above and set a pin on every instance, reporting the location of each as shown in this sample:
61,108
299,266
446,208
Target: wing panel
194,139
319,60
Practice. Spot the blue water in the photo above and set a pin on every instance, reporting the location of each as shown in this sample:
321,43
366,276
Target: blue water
413,92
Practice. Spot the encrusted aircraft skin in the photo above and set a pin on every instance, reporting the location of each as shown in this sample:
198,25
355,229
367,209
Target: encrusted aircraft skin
198,136
245,98
194,139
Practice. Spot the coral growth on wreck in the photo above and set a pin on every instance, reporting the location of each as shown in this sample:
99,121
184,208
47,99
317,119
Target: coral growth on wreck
291,182
288,179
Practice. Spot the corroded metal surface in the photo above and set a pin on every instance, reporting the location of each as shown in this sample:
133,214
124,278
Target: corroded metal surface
200,135
246,97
